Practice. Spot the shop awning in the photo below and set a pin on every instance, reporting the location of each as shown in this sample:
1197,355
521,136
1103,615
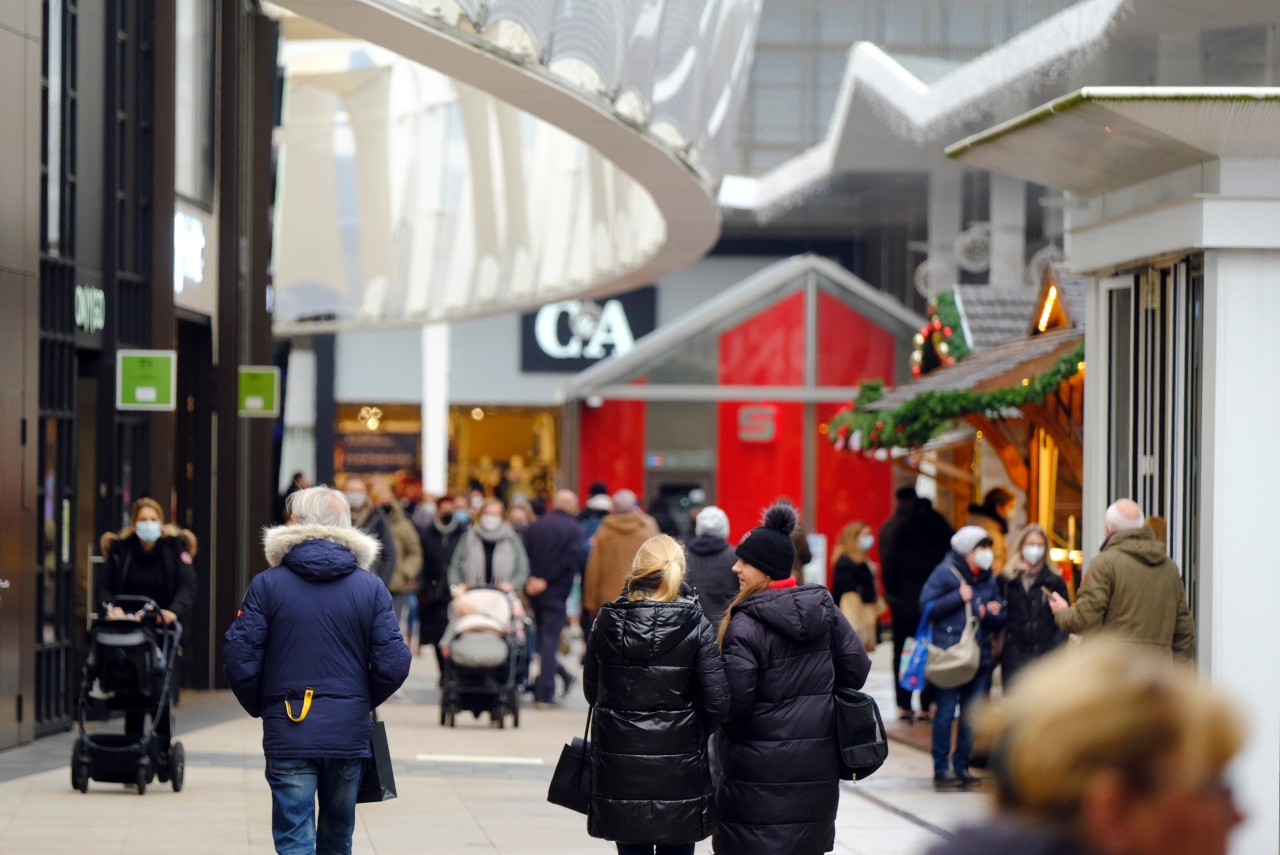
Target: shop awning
1003,366
1102,137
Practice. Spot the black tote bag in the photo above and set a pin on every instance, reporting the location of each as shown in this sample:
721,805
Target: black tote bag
860,731
571,780
379,782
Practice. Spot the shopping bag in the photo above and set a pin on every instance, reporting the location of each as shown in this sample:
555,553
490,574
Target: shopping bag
571,781
379,782
915,654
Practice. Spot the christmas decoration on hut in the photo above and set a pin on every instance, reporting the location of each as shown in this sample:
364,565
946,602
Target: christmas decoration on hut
911,425
940,342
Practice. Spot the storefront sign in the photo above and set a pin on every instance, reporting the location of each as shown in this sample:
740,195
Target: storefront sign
758,423
377,451
188,251
573,334
145,379
91,308
259,391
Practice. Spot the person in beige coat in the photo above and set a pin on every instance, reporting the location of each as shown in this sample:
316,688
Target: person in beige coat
408,550
1132,589
613,548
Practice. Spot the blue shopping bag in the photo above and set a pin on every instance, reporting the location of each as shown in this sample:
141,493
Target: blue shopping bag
915,654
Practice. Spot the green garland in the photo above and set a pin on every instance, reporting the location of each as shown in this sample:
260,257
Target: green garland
926,415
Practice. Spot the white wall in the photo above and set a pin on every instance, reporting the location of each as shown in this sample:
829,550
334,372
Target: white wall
1240,589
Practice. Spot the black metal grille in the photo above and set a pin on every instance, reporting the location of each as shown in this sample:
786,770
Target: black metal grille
55,617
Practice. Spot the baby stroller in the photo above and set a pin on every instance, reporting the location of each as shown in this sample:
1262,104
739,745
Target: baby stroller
131,668
484,649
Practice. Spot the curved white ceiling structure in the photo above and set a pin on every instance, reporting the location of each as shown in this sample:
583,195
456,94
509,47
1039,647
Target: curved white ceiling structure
572,150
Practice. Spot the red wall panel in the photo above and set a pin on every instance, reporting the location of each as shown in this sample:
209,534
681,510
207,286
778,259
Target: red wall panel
850,487
850,347
766,349
612,446
750,475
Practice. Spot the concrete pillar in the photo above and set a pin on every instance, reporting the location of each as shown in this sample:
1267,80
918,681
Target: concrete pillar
1242,299
1008,231
435,408
946,200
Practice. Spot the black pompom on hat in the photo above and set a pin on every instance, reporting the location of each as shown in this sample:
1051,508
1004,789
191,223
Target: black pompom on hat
768,548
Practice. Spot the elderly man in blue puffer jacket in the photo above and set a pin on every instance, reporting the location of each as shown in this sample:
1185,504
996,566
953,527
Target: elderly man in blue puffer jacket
314,648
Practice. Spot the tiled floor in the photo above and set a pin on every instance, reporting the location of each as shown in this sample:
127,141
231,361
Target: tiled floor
487,796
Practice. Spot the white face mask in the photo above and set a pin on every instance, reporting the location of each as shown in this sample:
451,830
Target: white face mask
356,500
148,530
488,522
866,541
1033,553
984,558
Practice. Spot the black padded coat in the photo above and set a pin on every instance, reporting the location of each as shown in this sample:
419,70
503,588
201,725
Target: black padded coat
785,652
654,677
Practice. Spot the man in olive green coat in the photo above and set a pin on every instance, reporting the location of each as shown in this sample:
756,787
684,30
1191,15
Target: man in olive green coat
1132,589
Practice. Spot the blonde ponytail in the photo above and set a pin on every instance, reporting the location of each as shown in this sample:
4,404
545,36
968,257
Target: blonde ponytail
657,572
753,588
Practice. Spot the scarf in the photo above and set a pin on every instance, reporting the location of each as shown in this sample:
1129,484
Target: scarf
504,556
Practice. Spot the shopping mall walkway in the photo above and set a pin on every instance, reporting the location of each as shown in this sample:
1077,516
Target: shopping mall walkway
472,789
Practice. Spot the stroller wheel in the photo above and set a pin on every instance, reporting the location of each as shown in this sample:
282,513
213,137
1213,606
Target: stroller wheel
515,713
177,766
496,718
142,779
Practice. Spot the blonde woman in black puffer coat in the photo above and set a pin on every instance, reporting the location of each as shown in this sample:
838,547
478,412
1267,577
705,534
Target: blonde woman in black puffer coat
654,679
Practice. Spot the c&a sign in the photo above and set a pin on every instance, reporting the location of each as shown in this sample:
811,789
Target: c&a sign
573,334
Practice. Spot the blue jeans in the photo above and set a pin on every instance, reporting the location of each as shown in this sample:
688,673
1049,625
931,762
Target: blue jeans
295,783
655,849
966,697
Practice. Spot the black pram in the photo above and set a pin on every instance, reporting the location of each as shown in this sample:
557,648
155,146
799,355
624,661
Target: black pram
131,667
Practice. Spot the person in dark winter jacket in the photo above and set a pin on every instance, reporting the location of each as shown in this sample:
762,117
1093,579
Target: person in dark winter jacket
150,559
554,545
314,648
786,649
1129,761
961,584
912,543
711,561
654,680
1029,630
440,537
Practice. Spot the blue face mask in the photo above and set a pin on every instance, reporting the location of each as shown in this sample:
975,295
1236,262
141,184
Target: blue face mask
148,530
462,515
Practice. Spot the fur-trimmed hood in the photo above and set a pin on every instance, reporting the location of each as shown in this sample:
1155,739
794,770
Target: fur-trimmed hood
279,541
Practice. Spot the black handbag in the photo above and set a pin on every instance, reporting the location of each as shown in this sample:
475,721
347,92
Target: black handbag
571,781
379,782
860,731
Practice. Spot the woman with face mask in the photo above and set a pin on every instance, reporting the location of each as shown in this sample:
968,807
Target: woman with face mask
854,581
1030,631
963,578
148,559
490,555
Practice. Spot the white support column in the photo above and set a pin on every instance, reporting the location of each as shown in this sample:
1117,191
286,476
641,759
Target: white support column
1008,231
946,201
1238,591
435,408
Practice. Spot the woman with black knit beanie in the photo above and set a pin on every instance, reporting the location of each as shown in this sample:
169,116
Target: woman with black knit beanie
786,647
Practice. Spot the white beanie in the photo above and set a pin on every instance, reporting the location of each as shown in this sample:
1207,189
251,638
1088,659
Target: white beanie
967,538
712,520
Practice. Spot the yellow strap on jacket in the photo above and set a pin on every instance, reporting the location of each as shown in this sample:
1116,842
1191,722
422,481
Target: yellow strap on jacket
306,706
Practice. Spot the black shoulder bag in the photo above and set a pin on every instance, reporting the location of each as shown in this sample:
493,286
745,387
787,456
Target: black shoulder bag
860,732
571,781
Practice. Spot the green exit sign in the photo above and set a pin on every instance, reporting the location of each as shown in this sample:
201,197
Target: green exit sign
259,391
146,379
